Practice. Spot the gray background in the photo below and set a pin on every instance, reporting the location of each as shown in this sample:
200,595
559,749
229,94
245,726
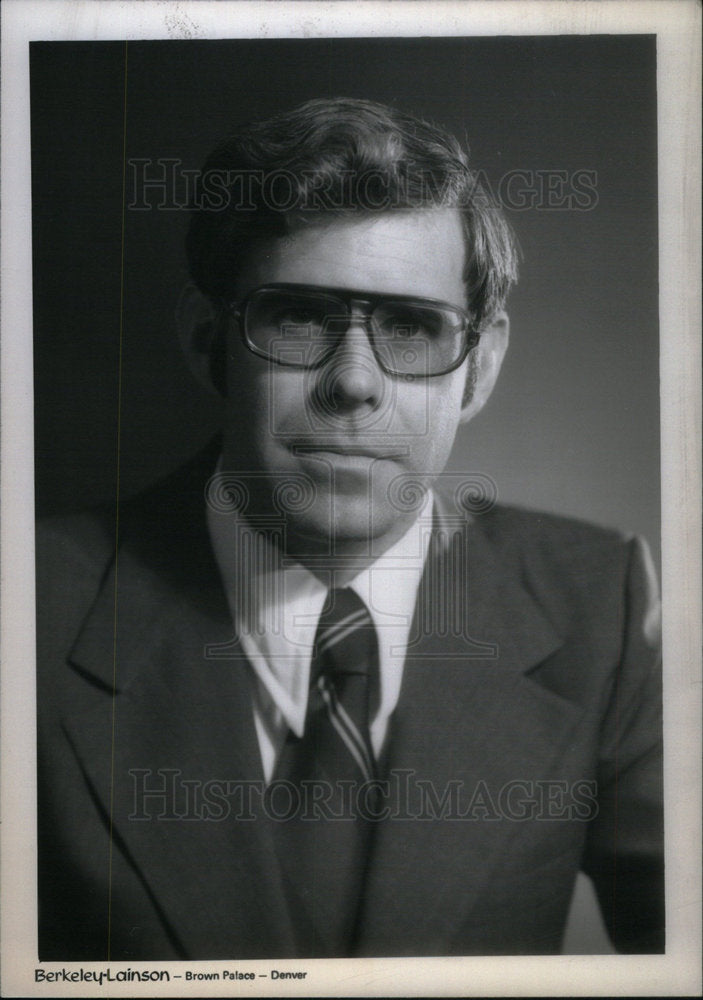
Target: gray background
573,425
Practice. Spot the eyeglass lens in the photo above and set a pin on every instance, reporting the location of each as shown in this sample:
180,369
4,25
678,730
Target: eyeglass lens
303,328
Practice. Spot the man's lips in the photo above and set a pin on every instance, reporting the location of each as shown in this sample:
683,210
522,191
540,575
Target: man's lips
302,448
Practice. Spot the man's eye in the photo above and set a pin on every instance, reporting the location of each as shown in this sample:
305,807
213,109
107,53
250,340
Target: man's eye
408,330
409,324
298,316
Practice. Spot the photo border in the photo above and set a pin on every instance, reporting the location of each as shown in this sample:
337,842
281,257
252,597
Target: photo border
676,24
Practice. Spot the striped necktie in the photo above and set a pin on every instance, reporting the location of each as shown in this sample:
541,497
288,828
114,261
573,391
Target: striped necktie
324,847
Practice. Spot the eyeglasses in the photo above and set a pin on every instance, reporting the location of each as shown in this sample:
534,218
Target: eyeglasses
301,326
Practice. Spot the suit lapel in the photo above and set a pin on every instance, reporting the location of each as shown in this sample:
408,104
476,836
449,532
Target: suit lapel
469,712
181,711
469,719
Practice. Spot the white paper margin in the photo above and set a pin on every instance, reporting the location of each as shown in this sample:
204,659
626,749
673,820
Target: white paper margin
677,26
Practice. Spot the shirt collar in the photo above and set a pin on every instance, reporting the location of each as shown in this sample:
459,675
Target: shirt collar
276,608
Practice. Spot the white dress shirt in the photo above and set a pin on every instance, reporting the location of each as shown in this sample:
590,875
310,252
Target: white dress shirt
276,605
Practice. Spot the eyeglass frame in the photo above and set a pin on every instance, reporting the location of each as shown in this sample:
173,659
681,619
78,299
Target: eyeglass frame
366,299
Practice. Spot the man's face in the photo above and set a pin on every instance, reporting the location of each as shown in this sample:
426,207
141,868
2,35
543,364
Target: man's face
349,429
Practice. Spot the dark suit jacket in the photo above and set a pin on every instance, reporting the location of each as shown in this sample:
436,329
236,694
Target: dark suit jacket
543,679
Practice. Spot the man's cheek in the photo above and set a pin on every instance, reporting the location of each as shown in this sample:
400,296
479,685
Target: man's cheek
283,403
432,415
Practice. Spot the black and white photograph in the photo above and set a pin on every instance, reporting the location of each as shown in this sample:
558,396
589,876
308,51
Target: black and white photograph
348,511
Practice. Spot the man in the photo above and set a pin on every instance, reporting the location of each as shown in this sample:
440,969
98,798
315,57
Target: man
302,699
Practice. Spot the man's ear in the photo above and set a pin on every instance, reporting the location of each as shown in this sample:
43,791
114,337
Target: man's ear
484,365
200,334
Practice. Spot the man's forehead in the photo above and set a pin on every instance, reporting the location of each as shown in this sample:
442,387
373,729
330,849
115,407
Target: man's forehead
417,251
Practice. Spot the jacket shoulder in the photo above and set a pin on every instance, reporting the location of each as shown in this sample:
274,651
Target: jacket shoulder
73,554
69,545
543,531
567,562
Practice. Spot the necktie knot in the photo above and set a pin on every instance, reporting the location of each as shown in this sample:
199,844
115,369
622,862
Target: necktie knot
345,642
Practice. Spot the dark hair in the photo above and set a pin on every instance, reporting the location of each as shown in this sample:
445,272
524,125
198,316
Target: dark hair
340,157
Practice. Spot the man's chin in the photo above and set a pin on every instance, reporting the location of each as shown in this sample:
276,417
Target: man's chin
344,526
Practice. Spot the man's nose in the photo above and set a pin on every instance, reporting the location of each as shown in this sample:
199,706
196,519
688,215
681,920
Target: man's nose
352,377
